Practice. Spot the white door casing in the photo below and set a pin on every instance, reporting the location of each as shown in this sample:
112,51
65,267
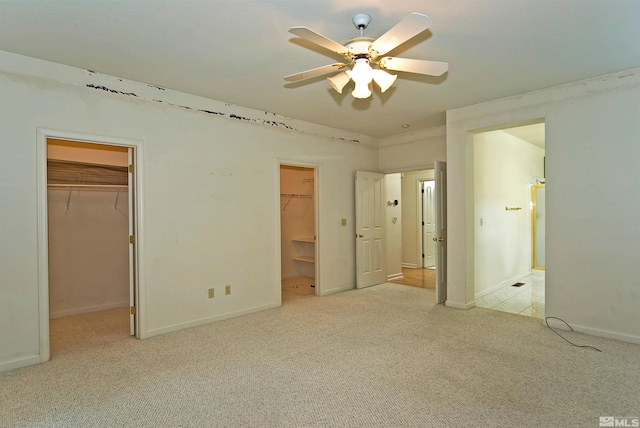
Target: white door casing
132,245
441,230
370,231
43,256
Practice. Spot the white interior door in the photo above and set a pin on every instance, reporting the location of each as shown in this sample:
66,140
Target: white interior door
132,246
370,232
428,223
441,230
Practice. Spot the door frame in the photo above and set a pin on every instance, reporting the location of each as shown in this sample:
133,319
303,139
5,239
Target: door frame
534,225
43,134
317,202
418,231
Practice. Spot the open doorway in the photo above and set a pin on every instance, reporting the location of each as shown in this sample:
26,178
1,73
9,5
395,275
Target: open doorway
508,164
298,226
88,205
88,219
418,260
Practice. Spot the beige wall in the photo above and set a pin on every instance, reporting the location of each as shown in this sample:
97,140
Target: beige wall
413,151
503,170
591,206
210,207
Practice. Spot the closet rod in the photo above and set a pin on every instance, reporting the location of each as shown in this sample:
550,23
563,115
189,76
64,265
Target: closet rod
294,195
106,187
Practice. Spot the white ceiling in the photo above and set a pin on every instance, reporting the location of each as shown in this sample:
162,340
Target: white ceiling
238,51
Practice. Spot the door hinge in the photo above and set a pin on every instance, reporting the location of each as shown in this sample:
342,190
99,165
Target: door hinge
131,169
132,239
423,256
133,310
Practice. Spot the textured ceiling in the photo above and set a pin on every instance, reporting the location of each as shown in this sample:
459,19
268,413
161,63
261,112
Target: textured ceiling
238,51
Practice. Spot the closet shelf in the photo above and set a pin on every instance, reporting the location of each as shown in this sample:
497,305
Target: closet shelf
91,187
304,259
310,240
294,195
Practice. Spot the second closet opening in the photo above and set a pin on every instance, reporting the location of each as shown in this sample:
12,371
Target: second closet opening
298,232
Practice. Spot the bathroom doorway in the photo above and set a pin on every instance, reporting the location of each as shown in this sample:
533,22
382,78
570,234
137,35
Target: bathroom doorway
508,164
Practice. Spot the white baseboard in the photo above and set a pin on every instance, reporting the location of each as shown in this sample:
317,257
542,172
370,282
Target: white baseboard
21,362
623,337
337,290
394,276
88,309
510,281
209,320
460,305
409,265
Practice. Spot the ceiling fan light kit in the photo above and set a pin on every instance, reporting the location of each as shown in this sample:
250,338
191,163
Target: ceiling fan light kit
364,56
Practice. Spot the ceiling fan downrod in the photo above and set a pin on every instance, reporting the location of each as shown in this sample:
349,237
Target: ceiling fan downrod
361,21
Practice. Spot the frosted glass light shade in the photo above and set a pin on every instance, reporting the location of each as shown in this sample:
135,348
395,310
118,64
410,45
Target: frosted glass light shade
362,75
383,79
361,90
339,81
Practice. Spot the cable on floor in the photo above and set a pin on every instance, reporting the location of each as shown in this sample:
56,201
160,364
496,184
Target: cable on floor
546,320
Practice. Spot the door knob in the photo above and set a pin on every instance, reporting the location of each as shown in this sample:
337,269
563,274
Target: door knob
438,239
359,235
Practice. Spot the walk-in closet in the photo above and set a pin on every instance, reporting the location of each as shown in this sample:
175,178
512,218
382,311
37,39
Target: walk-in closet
88,231
298,236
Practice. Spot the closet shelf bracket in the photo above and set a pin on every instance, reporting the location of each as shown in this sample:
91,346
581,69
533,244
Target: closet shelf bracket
291,196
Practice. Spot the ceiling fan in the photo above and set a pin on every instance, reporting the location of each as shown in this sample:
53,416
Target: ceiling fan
364,56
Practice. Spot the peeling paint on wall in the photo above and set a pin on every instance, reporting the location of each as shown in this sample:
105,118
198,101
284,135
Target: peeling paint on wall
271,122
104,88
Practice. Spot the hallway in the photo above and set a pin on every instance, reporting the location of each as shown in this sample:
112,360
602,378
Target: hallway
423,278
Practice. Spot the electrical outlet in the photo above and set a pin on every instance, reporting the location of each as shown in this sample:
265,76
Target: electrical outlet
211,293
227,290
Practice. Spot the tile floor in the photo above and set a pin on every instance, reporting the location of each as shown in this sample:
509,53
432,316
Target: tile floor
527,300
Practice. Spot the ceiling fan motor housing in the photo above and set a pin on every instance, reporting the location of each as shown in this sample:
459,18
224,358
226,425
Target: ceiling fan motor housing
359,47
361,21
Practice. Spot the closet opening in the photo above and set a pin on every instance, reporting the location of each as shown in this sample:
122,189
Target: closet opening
298,232
90,244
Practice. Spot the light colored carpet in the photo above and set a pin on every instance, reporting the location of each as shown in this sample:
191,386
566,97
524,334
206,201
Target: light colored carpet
384,356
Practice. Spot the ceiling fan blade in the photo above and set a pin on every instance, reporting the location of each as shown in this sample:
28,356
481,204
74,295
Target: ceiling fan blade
419,66
319,40
404,30
314,72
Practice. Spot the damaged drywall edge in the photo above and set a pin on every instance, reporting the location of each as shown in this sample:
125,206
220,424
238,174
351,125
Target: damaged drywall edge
17,66
196,104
